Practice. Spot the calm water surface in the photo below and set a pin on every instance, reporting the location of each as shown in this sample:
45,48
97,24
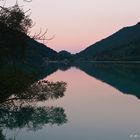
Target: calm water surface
100,103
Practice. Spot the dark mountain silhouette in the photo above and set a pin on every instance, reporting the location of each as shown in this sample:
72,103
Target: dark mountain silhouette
63,52
18,48
32,54
39,53
63,55
123,45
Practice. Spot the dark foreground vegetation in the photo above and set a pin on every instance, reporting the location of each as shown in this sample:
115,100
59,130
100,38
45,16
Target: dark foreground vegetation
21,89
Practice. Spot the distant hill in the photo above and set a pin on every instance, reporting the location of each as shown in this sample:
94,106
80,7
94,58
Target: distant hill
123,45
63,55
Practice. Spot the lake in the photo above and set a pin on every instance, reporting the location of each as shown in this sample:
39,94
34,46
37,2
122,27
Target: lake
101,102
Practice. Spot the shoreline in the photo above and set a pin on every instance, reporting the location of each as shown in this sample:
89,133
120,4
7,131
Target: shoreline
121,62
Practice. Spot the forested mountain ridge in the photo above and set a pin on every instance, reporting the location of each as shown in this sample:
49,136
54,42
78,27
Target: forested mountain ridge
123,45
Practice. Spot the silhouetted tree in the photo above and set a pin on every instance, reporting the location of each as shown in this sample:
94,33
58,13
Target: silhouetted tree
20,109
14,25
15,19
22,87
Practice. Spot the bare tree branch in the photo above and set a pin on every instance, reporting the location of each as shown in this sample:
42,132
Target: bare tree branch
42,36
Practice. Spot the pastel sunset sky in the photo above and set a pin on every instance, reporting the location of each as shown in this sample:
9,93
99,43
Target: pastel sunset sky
77,24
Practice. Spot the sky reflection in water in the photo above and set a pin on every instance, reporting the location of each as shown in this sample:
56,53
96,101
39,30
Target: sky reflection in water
95,104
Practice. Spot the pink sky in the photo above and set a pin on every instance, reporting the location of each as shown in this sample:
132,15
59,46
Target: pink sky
77,24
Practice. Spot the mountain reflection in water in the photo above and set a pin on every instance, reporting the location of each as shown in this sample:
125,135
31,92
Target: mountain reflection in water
19,99
123,77
20,93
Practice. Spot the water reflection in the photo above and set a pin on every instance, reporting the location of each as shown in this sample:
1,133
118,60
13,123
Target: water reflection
19,99
31,117
20,94
2,137
124,77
